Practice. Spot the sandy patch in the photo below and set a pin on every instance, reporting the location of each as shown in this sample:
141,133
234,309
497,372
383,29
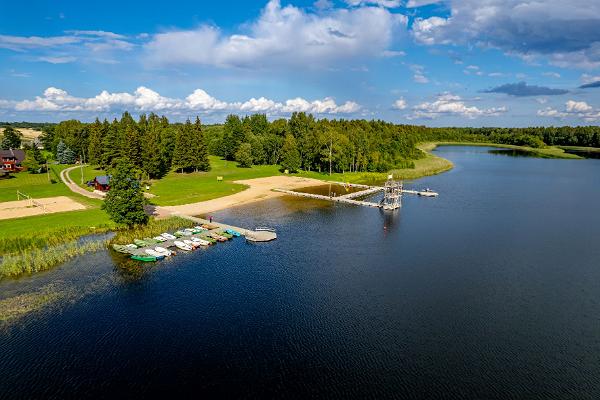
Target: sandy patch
258,189
24,208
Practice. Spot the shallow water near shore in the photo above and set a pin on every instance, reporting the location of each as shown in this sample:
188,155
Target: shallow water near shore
491,290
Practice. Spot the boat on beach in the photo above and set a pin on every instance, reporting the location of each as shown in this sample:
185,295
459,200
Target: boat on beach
201,242
152,252
122,249
168,236
165,252
160,239
234,233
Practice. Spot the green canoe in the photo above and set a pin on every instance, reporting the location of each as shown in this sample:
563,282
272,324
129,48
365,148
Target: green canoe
144,258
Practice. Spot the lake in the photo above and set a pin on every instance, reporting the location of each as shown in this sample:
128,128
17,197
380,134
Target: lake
490,291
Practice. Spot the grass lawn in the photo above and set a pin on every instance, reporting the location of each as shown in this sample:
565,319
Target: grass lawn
177,188
89,173
43,224
34,185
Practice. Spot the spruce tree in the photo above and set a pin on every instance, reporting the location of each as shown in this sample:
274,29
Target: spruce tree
200,153
96,138
153,162
111,145
124,202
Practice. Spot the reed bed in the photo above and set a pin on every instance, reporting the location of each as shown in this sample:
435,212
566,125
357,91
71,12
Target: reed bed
36,260
45,239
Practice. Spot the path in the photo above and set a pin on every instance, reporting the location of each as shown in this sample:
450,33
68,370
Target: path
64,176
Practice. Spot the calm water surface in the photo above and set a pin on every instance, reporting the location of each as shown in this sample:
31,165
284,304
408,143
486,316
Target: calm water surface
490,291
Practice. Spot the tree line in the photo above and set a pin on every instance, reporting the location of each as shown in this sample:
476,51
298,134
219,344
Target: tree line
151,144
156,146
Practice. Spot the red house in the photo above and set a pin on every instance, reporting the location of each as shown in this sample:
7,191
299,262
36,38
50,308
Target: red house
10,160
102,183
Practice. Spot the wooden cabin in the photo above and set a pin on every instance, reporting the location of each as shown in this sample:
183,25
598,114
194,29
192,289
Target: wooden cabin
10,160
102,183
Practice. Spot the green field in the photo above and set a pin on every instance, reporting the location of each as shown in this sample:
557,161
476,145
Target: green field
177,188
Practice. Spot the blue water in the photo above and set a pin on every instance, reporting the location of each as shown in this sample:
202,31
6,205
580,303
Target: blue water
490,291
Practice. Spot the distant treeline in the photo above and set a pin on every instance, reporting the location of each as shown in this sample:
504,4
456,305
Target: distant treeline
156,146
27,125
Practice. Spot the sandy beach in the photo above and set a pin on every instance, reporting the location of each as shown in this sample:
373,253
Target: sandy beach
258,189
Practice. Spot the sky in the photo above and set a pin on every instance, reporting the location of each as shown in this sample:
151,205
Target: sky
425,62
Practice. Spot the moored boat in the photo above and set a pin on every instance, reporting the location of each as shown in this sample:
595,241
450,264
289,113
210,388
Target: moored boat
147,258
201,242
182,246
218,237
163,251
154,253
168,236
140,243
234,233
122,249
160,239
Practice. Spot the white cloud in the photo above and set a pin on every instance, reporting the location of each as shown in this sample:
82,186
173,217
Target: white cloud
382,3
283,36
565,33
551,74
448,104
578,106
57,60
419,73
399,104
573,109
421,3
144,99
586,78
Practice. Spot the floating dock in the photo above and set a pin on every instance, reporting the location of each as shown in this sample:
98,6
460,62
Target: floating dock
254,236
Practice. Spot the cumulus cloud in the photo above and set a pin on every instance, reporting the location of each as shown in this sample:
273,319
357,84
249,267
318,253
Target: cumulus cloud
522,89
144,99
283,36
573,109
448,104
400,104
564,32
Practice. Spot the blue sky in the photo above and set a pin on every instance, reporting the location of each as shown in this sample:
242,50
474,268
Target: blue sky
438,63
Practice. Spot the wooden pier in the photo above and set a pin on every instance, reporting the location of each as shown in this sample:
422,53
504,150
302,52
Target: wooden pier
350,198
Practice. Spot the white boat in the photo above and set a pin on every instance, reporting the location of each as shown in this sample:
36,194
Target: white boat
131,246
427,193
200,228
168,236
191,243
154,253
160,238
201,242
163,251
182,246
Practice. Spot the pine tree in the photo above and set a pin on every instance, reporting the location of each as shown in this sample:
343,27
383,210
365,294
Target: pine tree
182,159
11,139
124,202
200,147
111,145
290,156
153,161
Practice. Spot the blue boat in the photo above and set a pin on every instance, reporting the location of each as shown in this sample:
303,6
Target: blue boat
234,233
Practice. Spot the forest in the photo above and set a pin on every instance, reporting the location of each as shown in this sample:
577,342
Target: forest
156,146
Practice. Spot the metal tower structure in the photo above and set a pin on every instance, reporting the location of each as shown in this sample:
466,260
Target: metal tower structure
392,194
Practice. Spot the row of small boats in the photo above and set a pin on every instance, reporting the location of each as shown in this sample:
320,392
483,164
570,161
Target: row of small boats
188,239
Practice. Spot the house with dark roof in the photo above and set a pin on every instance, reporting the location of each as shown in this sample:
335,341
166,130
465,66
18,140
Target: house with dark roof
102,183
11,159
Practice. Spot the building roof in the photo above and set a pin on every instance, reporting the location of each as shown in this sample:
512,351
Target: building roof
18,154
103,179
